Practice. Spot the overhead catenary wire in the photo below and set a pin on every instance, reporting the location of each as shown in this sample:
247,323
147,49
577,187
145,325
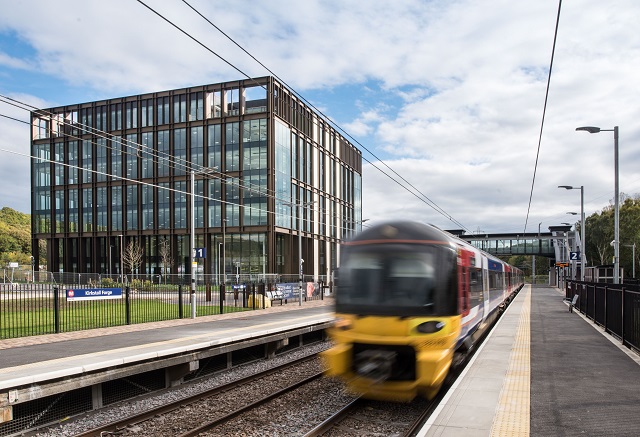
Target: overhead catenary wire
544,111
416,192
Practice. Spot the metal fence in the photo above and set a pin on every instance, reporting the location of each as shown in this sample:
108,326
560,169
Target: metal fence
615,307
28,309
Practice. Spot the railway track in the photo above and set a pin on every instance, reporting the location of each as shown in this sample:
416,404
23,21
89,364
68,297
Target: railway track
155,418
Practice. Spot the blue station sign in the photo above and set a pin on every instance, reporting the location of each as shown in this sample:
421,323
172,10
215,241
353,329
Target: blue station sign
93,293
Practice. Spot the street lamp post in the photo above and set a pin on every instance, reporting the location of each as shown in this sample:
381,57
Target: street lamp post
616,225
583,244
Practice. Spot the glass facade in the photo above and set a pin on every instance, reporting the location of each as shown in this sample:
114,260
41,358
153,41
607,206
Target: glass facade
119,171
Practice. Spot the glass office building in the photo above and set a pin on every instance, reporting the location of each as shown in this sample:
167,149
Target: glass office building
270,175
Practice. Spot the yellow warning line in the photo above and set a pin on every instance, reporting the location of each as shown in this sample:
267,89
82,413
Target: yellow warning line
512,414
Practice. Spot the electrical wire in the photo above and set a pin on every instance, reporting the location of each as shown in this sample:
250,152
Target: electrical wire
544,111
416,192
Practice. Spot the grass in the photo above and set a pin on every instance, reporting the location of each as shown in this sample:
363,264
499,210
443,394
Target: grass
36,316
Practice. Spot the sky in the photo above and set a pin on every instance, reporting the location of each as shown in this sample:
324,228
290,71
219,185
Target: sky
445,96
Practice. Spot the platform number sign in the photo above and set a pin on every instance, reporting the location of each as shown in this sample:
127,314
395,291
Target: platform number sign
200,252
574,256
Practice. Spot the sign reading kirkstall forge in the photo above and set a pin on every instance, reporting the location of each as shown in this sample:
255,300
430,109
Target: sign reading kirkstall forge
93,293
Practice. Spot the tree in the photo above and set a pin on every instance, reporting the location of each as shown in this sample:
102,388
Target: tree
164,251
132,256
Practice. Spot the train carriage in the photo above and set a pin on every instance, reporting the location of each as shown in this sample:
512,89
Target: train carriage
410,296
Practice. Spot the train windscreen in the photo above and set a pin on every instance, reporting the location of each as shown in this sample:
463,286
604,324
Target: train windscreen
397,279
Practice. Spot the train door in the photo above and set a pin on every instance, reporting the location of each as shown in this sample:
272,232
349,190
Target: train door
485,288
464,263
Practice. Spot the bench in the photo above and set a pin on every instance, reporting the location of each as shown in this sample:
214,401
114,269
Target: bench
275,295
572,302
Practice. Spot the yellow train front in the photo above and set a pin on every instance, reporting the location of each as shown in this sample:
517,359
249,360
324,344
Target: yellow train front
409,295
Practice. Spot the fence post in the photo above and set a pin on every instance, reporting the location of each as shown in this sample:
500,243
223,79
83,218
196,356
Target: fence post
595,289
127,304
180,301
222,292
56,310
622,322
262,293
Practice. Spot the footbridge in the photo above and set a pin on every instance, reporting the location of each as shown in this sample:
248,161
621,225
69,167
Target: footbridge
556,244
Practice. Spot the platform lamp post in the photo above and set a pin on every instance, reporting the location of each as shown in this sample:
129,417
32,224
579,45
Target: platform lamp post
583,244
203,171
616,225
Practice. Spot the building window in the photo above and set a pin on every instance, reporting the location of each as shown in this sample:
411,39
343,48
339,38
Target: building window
131,115
116,116
72,160
101,159
116,156
214,104
101,118
87,161
180,108
132,207
215,208
197,147
58,169
102,204
162,104
163,154
146,109
59,212
254,144
116,208
87,209
180,205
231,100
147,207
255,99
164,201
132,151
147,154
73,211
196,106
232,147
232,196
179,151
199,203
214,146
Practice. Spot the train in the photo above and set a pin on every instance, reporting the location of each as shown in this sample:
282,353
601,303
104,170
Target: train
411,301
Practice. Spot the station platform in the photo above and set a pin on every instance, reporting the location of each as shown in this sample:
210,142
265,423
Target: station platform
34,367
543,371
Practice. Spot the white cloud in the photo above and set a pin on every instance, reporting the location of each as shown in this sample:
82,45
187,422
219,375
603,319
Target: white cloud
467,81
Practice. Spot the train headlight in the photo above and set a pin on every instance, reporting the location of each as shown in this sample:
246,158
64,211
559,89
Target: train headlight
342,324
430,327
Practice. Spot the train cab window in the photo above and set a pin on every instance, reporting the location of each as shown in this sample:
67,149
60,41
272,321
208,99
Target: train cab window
398,280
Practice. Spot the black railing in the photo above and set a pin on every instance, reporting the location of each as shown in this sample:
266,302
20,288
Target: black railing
615,307
29,309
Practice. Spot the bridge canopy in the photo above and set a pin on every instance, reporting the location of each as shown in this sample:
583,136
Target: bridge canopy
556,244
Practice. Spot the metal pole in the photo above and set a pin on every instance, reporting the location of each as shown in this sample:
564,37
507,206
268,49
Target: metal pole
634,260
224,250
583,254
300,252
193,246
616,246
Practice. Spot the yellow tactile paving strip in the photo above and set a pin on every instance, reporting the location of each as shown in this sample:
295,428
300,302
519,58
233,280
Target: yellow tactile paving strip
512,413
